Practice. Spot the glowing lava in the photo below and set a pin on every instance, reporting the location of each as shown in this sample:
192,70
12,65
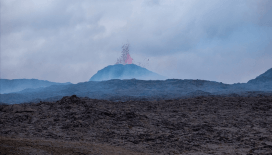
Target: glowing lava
128,60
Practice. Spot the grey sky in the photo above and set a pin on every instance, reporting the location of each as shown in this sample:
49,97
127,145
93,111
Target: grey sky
68,41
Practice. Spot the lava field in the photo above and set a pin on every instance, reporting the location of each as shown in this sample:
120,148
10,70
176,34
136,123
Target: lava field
200,125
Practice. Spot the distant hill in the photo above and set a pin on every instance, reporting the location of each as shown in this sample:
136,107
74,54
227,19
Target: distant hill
15,85
131,89
263,78
119,90
128,71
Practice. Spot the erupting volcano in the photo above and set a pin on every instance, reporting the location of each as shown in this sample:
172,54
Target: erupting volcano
125,69
125,57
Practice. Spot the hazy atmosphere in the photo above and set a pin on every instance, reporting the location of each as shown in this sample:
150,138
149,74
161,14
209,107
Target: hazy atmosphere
69,41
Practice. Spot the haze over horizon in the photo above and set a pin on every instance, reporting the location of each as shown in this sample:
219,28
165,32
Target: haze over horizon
227,41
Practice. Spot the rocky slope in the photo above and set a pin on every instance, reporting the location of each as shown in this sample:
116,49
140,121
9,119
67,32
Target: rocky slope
202,125
128,71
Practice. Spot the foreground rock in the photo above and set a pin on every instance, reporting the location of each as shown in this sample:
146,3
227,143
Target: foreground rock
202,125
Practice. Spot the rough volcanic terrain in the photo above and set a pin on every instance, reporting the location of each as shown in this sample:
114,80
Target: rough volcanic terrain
201,125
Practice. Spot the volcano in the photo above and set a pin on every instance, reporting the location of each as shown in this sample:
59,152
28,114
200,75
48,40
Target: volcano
128,71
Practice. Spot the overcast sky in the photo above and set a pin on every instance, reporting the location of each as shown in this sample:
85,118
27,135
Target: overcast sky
229,41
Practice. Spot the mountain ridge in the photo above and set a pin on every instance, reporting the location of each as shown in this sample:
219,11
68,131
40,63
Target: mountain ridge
15,85
134,89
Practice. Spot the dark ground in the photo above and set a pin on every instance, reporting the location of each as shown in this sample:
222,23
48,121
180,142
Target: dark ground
201,125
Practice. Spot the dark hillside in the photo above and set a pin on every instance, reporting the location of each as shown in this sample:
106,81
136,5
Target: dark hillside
138,90
263,78
119,90
124,90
